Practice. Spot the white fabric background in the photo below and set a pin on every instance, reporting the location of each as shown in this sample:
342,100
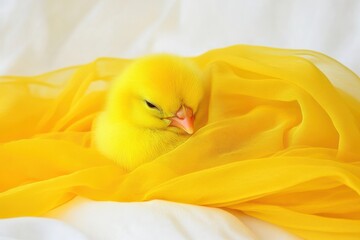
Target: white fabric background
42,35
37,36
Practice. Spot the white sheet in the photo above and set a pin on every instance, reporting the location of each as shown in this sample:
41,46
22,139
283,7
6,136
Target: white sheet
31,228
151,220
85,219
39,35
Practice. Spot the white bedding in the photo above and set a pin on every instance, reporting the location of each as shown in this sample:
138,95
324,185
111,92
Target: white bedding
38,36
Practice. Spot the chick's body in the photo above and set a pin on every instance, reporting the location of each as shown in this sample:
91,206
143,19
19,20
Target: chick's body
150,109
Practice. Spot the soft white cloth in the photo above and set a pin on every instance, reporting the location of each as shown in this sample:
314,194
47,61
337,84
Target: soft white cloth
31,228
37,36
42,35
151,220
83,219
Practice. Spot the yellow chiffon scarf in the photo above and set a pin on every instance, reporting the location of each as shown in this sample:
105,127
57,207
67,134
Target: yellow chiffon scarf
282,142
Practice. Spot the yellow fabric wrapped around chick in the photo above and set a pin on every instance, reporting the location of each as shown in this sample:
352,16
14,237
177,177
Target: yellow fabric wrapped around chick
275,139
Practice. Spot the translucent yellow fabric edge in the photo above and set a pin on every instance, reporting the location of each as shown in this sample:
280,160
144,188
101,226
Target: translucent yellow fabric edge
281,143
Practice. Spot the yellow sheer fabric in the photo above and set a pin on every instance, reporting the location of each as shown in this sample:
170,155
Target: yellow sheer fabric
281,143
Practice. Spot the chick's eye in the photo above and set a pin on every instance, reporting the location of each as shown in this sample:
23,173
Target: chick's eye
150,105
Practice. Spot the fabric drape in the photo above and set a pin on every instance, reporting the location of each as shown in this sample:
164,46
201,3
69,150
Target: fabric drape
281,142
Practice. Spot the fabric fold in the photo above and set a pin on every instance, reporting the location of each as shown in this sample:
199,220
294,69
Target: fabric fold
278,139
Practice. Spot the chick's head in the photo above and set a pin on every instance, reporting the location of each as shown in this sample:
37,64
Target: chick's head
158,92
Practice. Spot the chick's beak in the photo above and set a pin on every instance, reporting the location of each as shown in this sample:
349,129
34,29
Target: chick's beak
183,119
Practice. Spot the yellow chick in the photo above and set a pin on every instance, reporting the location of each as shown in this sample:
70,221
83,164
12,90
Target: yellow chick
151,109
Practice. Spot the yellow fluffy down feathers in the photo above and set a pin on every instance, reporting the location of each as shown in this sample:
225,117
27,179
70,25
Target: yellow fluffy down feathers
150,109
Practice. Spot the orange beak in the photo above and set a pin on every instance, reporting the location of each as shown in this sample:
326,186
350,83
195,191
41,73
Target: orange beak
183,119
